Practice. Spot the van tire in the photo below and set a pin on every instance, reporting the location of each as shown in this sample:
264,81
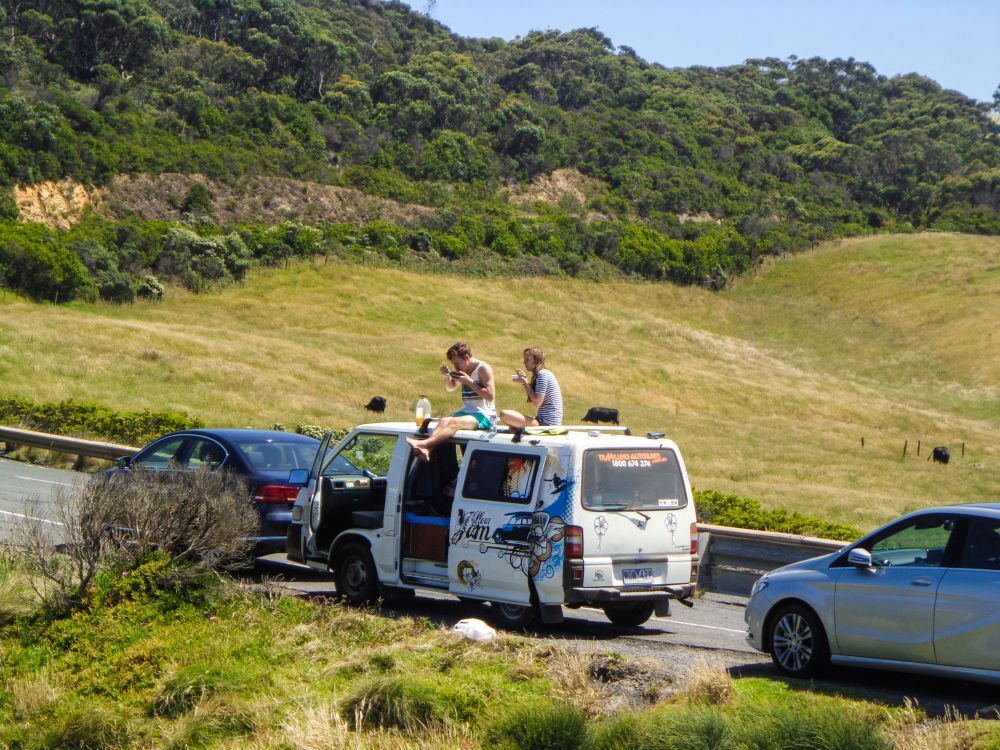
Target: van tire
513,616
355,575
629,614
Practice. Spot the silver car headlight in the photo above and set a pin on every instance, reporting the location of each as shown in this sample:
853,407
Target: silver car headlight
759,585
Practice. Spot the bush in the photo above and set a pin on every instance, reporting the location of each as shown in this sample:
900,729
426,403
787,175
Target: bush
725,509
116,522
85,419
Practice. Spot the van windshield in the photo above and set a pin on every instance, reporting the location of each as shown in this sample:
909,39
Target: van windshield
628,479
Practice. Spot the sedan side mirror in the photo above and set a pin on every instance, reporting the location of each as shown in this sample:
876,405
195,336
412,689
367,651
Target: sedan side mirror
860,558
122,462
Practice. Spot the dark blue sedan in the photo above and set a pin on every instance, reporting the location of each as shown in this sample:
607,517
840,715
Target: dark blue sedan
263,458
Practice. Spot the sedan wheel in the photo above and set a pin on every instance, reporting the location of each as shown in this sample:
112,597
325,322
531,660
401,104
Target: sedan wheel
798,643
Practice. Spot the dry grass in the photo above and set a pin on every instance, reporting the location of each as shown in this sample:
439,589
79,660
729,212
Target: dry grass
322,728
912,730
706,681
30,696
768,387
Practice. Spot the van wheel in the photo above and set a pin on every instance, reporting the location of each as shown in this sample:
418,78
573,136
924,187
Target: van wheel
798,642
629,614
512,616
355,574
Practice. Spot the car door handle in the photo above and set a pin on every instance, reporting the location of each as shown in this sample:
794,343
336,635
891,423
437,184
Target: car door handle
922,581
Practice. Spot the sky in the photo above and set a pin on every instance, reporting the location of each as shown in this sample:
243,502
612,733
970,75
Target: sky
954,42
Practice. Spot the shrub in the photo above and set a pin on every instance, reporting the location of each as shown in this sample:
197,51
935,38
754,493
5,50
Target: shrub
94,420
116,522
149,287
724,509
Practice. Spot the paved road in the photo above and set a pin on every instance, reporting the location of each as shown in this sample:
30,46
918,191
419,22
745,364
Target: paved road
27,491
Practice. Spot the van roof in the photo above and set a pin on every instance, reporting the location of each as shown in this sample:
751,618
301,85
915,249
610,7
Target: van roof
563,435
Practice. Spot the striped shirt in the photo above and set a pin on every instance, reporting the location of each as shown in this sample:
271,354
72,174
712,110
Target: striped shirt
550,413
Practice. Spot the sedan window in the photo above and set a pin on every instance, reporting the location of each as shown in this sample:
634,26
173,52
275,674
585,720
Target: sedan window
161,455
919,542
982,549
206,453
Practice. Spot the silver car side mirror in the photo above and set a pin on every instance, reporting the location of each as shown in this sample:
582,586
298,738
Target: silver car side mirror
859,557
298,476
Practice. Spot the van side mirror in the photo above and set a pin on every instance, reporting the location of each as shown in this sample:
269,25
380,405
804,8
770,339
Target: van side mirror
298,476
860,558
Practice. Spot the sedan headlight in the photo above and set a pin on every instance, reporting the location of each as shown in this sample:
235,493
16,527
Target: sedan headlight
759,585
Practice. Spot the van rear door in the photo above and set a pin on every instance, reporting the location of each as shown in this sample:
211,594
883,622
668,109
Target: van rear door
490,535
636,515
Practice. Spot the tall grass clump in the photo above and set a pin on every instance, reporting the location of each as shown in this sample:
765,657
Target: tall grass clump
395,701
88,725
805,724
538,725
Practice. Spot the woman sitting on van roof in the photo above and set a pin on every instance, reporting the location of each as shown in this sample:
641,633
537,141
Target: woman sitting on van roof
542,391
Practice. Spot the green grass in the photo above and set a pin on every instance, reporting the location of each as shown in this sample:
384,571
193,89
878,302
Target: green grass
235,668
769,387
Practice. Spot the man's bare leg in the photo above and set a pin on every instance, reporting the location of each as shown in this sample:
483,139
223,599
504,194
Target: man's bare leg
445,429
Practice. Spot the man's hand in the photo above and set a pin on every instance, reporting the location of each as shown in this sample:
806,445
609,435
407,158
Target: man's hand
443,369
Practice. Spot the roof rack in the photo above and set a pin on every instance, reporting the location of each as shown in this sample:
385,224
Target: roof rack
536,429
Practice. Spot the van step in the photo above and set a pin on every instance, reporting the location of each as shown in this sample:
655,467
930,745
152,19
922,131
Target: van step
427,579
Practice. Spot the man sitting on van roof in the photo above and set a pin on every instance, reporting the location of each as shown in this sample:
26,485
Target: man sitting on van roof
478,394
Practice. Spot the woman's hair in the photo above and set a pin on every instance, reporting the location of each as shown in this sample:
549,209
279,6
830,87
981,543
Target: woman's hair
538,357
536,354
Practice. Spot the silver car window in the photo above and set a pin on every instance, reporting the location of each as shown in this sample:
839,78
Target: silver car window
921,542
982,546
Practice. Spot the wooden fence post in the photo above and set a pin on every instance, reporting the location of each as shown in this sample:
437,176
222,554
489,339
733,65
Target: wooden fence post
905,443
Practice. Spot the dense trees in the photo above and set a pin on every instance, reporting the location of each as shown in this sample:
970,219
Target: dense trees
769,155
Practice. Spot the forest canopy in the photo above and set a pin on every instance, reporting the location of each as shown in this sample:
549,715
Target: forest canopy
694,174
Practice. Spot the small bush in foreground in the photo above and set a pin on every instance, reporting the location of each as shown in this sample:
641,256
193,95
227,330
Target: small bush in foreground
116,523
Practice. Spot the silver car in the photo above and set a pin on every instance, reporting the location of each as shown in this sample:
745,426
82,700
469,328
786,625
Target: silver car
920,594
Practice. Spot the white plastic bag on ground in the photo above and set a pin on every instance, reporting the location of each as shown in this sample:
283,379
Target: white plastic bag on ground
475,630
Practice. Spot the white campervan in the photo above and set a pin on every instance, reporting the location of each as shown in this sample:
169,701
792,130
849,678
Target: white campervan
571,516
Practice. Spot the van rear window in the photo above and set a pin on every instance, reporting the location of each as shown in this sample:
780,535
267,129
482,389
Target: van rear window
626,479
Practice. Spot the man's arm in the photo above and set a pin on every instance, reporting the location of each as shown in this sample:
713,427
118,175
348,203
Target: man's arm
488,391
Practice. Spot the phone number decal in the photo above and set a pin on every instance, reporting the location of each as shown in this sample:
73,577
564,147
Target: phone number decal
640,460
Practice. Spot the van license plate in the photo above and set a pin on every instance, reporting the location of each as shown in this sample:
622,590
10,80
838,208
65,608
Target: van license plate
637,575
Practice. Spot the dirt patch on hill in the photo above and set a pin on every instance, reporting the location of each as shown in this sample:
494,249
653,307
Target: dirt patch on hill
262,200
568,189
57,204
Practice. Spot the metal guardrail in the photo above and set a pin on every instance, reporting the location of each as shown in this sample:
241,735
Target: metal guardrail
731,559
91,448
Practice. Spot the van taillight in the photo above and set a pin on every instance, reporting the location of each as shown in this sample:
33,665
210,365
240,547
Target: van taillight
694,539
276,493
574,542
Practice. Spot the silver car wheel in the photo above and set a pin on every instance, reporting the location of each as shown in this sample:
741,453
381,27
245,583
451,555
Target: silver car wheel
798,642
793,642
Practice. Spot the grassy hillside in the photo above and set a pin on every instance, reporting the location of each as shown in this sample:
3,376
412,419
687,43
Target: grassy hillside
769,387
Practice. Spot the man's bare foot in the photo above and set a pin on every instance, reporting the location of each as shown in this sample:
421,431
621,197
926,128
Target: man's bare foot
419,449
